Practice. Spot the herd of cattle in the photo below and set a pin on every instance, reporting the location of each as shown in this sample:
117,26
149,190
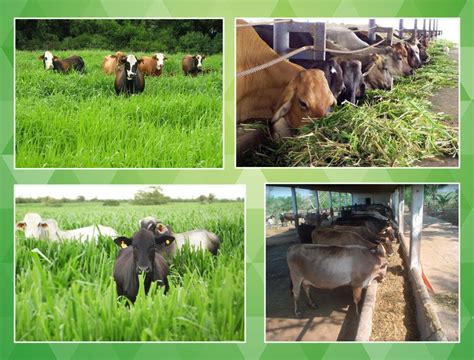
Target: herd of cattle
289,92
351,250
147,251
129,71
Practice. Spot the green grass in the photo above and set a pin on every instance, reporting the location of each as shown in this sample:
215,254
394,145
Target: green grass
76,120
396,128
73,298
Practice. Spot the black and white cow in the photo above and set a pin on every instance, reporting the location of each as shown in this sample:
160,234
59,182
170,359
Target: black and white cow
129,79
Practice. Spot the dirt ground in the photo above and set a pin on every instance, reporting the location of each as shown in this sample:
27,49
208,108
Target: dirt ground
446,101
440,262
335,317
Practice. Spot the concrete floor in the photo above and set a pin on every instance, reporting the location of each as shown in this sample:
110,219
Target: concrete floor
440,262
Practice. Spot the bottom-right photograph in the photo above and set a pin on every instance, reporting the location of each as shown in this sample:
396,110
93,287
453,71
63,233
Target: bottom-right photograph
362,262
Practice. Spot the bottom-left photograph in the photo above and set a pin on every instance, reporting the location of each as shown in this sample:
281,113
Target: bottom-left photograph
129,263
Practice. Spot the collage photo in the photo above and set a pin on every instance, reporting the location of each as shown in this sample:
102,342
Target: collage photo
217,180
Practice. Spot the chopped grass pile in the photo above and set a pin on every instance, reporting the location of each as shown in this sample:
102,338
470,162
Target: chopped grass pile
396,128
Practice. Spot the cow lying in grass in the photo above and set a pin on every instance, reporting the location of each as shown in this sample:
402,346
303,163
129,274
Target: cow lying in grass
197,239
139,256
34,226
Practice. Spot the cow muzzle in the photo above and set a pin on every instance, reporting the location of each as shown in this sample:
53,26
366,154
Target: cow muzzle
143,269
130,75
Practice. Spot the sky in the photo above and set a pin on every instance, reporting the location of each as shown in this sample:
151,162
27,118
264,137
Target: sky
127,191
449,26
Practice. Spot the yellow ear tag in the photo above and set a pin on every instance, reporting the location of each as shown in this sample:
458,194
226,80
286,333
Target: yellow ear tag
123,245
167,242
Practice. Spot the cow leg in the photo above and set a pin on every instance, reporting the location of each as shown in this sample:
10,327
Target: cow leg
296,292
307,290
356,294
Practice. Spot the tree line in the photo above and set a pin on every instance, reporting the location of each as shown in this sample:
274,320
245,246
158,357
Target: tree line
167,36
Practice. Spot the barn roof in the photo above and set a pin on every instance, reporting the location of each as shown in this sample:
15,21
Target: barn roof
349,188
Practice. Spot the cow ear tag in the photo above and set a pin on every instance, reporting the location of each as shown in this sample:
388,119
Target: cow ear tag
167,242
123,245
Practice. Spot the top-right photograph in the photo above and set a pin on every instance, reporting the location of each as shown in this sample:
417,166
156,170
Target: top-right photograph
355,92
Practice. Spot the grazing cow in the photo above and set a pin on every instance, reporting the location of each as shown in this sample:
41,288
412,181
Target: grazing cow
72,62
376,75
284,92
192,64
138,255
199,239
35,227
129,79
112,62
354,85
329,267
413,53
401,50
153,65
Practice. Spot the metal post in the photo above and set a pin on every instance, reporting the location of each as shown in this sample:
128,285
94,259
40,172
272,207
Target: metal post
415,28
281,37
316,200
395,204
436,27
401,211
389,39
424,28
429,28
295,206
330,200
320,42
400,28
371,34
416,224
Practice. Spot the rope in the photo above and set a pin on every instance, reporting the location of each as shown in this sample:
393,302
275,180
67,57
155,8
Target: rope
297,51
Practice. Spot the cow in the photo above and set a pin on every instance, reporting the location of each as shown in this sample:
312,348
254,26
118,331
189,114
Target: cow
129,79
111,62
153,65
345,38
351,235
377,226
34,226
139,256
332,70
413,53
304,233
73,62
376,74
284,92
198,239
354,85
329,267
289,217
192,64
315,218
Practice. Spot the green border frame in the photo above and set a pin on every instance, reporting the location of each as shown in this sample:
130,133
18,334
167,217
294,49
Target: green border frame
253,178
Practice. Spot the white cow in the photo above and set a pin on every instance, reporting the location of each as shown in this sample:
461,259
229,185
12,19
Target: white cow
35,227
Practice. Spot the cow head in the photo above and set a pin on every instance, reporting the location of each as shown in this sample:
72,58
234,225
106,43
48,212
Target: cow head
131,65
160,60
48,58
306,96
413,54
335,77
396,59
198,59
353,80
143,243
376,74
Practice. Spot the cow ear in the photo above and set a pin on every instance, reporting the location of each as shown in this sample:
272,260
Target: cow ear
43,225
21,225
203,57
166,239
123,241
123,59
41,57
284,104
161,228
139,61
165,58
55,57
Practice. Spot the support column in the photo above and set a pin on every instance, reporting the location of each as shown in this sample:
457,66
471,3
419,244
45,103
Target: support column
316,200
281,37
320,42
400,28
371,34
295,207
416,224
401,211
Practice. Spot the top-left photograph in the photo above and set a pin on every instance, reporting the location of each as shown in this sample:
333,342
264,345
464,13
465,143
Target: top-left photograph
118,93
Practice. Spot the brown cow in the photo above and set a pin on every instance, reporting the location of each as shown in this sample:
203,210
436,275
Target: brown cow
329,267
284,92
72,62
153,65
192,64
376,75
112,62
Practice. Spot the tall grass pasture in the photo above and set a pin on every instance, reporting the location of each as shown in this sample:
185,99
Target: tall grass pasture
64,290
76,120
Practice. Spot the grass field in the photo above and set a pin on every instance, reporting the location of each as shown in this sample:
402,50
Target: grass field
77,120
395,128
72,296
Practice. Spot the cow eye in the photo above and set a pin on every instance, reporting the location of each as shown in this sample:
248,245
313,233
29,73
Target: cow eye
303,105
